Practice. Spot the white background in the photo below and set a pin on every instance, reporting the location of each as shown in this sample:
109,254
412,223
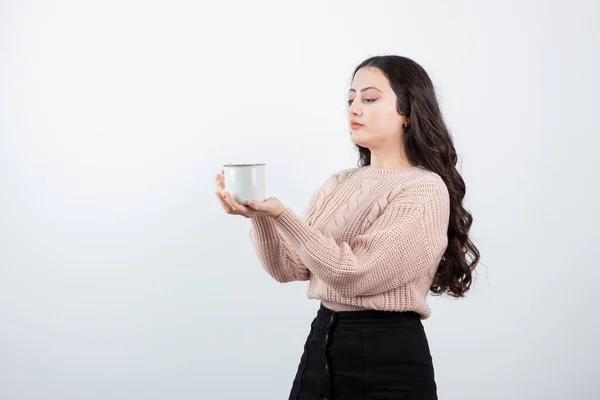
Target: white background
121,277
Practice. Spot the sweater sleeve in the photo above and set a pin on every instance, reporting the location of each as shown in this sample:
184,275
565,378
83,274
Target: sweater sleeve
277,255
406,241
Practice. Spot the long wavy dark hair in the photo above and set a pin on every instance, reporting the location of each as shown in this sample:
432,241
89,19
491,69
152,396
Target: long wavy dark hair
428,143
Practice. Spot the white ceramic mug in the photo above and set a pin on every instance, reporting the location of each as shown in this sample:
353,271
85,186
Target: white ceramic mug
245,182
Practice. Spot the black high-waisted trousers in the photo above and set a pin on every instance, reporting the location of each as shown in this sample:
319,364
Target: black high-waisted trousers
376,355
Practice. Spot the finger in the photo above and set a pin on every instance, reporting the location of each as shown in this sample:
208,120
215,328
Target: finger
221,178
237,207
226,206
231,202
255,205
220,182
224,203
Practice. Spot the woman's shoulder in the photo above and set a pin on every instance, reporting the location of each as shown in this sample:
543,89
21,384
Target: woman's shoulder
423,184
340,175
428,177
419,177
346,172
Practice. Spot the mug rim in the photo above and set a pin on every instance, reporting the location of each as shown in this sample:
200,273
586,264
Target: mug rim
242,165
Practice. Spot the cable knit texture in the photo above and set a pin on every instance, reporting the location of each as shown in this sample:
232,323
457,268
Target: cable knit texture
369,239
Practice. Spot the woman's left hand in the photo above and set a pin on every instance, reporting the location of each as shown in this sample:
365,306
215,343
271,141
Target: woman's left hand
270,207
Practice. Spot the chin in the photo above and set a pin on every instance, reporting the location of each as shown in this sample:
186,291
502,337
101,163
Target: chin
360,139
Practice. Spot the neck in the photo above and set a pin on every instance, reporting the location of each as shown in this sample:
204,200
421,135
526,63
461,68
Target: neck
395,160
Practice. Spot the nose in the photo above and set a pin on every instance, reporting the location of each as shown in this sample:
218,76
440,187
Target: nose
354,109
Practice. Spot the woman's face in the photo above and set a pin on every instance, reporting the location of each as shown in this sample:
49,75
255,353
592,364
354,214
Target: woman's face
372,104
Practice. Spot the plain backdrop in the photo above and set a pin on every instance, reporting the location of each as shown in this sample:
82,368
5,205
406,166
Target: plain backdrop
122,278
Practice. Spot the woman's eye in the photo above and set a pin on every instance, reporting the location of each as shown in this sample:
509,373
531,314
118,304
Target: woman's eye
365,100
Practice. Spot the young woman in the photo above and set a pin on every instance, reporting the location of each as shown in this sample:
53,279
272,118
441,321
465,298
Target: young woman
374,241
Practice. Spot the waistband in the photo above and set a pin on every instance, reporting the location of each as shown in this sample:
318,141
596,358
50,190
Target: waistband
366,317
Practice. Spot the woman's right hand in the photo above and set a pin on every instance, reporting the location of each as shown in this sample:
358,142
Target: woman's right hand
220,182
228,202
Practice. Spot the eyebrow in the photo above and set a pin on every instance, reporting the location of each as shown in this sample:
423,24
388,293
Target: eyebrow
367,88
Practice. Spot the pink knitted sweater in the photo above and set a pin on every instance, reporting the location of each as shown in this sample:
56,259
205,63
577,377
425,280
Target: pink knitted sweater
370,239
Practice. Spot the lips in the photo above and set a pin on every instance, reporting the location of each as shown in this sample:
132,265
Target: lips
355,125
